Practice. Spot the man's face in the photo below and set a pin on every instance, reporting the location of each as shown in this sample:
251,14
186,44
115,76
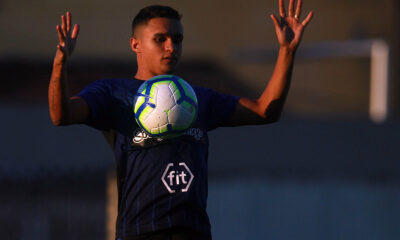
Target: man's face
158,45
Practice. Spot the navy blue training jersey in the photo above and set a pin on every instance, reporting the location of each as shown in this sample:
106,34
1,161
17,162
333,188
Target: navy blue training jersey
161,183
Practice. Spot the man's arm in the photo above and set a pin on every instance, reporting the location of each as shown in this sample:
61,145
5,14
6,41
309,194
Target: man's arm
65,110
268,107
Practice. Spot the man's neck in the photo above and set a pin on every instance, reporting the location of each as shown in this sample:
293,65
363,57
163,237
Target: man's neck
142,77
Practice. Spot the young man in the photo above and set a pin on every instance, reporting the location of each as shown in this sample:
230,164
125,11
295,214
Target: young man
162,184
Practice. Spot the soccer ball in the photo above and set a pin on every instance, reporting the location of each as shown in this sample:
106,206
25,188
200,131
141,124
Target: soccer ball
165,106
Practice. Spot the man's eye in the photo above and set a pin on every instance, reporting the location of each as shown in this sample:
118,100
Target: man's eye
160,39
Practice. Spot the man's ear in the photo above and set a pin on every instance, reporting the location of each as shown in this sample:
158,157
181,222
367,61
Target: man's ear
135,44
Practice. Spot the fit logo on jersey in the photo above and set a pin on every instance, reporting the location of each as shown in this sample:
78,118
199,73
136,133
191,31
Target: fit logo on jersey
177,177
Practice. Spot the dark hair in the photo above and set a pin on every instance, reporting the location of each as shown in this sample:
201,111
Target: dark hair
154,11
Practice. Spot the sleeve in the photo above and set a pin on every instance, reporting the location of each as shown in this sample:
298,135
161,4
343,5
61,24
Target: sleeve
98,96
219,108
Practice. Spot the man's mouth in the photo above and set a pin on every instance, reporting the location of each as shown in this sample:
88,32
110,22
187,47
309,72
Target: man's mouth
170,59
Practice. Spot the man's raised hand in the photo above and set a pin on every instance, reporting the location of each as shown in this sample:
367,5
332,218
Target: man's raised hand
67,38
289,29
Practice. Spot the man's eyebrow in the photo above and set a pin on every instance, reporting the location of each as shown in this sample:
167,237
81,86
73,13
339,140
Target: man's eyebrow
160,34
167,34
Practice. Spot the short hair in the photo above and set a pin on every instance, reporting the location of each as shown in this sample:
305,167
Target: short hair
154,11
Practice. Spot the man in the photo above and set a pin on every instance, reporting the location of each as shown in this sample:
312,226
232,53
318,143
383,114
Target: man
162,184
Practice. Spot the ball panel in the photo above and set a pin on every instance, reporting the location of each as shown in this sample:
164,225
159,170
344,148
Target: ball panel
160,83
138,102
140,96
177,95
175,91
142,88
145,113
189,92
153,94
160,130
188,106
159,78
180,117
165,99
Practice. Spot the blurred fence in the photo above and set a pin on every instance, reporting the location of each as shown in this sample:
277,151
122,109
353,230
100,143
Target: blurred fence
300,178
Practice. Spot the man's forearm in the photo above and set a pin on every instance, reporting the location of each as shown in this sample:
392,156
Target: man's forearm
59,94
273,98
270,104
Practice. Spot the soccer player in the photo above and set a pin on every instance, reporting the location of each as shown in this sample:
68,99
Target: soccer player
162,184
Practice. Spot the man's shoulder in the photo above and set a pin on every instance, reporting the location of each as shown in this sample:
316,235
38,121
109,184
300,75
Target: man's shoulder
118,81
115,85
202,91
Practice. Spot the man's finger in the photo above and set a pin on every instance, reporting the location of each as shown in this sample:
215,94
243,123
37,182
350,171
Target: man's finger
75,31
291,8
60,35
282,11
298,9
275,20
61,48
68,21
63,23
308,19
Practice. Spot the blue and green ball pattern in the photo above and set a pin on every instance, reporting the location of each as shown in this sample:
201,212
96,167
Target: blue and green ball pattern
165,106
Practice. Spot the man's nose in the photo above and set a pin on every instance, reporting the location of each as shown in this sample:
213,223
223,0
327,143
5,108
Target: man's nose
169,45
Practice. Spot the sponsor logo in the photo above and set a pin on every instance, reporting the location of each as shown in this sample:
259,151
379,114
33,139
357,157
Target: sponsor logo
195,132
140,135
177,177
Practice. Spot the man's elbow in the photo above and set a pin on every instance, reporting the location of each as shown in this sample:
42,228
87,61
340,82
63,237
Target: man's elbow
59,120
273,112
272,118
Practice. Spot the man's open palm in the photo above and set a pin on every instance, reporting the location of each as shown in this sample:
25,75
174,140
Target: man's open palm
67,38
289,29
